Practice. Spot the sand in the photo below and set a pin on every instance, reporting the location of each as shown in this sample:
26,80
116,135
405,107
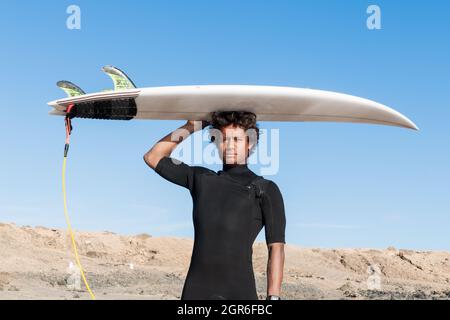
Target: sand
35,263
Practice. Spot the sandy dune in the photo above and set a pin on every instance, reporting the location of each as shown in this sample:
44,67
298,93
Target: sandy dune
35,264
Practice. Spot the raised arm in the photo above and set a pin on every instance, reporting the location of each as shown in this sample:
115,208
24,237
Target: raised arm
165,146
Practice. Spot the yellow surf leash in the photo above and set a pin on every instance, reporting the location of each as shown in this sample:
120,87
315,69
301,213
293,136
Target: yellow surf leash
74,245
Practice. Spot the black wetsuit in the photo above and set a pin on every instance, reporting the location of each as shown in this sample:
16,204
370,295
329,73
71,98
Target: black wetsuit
227,217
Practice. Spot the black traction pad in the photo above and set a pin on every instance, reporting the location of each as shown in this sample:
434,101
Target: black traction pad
112,109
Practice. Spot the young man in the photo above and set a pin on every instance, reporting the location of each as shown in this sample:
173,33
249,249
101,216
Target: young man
227,212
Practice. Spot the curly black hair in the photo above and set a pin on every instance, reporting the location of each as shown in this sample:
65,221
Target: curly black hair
244,119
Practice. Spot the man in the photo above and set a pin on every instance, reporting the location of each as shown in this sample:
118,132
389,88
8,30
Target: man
227,212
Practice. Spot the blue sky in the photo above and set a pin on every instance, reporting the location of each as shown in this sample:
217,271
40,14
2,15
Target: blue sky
344,185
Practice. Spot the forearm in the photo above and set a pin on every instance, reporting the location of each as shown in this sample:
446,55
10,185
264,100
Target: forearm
165,146
275,266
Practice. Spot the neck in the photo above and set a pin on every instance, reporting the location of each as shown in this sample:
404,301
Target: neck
227,166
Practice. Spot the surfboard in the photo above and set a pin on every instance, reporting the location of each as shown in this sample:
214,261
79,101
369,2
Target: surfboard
196,102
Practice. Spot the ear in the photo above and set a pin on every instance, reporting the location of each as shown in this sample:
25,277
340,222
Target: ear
250,149
251,138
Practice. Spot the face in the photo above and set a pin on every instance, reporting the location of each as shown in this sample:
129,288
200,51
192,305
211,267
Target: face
233,145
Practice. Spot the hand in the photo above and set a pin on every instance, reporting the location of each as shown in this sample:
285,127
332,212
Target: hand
273,297
191,123
205,123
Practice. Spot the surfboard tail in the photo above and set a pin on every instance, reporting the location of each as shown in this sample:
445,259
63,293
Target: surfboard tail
55,112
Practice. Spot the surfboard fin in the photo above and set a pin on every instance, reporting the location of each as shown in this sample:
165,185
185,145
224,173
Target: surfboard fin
70,89
120,79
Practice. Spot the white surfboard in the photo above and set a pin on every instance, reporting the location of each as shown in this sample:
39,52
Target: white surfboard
196,102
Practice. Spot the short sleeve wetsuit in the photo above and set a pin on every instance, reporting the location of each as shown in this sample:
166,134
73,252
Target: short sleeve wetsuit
227,218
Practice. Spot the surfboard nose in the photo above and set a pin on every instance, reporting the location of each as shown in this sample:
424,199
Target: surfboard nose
403,121
412,125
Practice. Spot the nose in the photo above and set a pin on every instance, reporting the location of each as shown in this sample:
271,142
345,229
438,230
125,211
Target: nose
230,144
